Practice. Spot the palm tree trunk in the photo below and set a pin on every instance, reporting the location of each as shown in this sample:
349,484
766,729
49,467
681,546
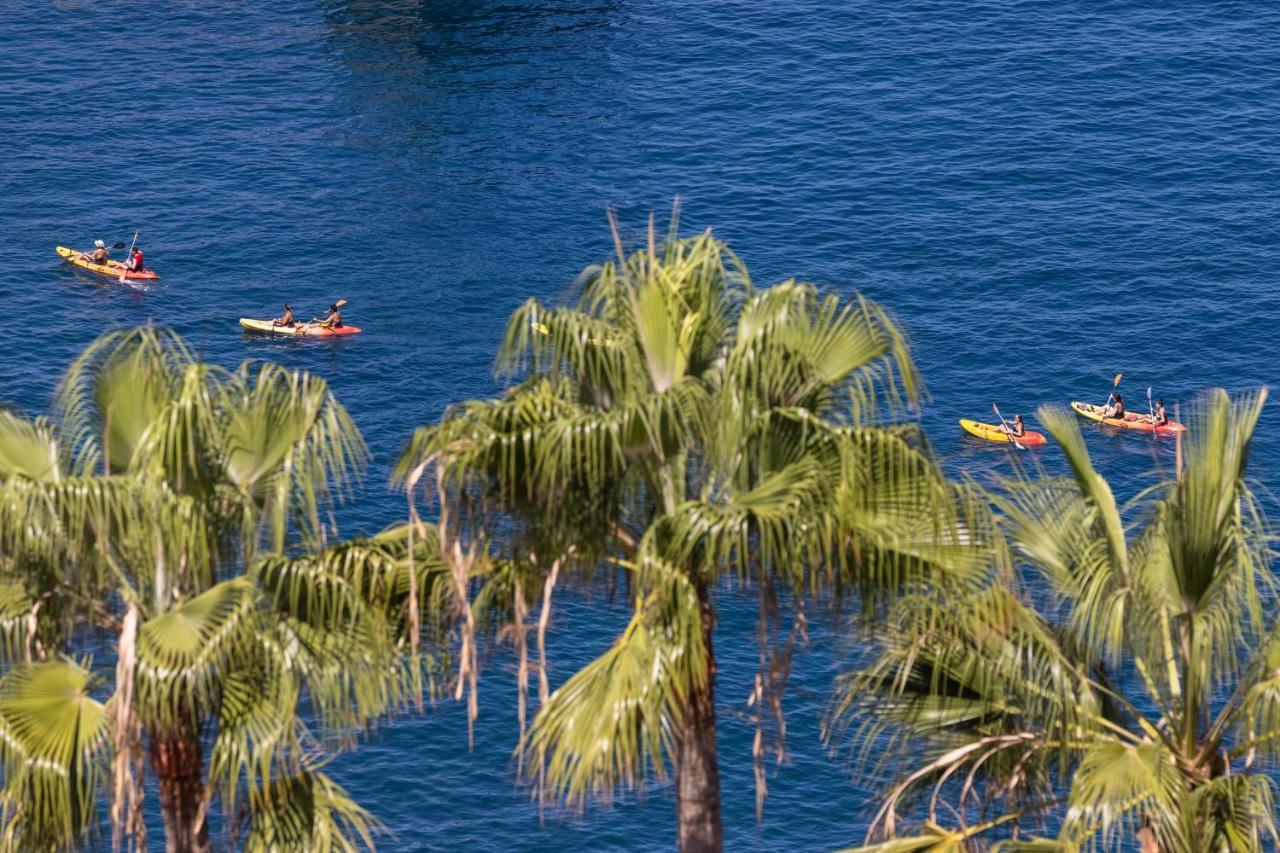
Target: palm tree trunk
177,760
698,824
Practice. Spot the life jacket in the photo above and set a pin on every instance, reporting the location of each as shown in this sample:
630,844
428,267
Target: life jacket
137,260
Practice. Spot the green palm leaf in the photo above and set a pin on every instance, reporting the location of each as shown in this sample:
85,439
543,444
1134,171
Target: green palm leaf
51,731
1117,786
610,725
28,449
183,652
309,811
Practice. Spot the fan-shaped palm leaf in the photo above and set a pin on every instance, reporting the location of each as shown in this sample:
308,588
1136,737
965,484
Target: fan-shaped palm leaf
51,730
182,652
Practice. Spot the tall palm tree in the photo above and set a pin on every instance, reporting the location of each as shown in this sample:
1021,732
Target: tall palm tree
1127,689
682,429
171,520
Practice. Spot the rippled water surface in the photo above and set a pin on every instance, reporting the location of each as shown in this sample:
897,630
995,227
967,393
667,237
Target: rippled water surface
1045,193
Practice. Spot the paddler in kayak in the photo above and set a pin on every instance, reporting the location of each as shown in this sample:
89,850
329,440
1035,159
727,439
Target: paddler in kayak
134,262
333,319
1018,429
1114,407
1158,417
285,319
99,255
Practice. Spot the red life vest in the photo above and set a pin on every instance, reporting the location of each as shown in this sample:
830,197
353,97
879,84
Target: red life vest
137,260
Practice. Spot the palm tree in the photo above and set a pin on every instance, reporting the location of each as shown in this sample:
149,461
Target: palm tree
172,522
1128,688
681,429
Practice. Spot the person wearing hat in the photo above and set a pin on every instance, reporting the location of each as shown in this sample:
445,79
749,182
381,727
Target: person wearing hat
99,255
333,319
286,319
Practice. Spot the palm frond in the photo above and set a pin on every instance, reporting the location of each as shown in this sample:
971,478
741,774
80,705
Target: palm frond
1118,787
51,734
309,811
113,391
610,725
28,449
289,447
183,652
259,735
15,622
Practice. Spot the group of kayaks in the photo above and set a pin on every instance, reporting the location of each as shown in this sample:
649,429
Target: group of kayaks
113,269
1030,438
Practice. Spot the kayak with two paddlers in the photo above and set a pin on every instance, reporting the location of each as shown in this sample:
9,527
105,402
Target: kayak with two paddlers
1128,420
329,326
98,262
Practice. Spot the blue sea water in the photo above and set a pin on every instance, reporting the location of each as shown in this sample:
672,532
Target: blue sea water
1045,193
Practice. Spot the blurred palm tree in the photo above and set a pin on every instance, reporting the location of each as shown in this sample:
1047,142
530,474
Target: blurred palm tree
1127,691
173,523
680,429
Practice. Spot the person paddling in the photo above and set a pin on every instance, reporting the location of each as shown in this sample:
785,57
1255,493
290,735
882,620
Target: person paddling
99,255
333,319
1114,407
134,262
285,319
1018,429
1159,417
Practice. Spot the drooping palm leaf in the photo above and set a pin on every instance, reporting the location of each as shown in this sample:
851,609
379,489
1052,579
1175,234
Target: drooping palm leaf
309,811
28,449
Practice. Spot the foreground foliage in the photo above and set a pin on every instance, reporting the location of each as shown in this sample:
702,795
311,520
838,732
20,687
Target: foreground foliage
170,523
676,430
1127,690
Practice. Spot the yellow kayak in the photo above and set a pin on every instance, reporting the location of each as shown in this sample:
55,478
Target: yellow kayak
1131,420
300,330
994,432
111,268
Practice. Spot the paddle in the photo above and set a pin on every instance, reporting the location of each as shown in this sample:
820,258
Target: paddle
1151,413
123,267
996,409
1114,385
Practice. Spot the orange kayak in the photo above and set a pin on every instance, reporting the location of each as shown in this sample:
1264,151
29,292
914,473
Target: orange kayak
1131,420
994,432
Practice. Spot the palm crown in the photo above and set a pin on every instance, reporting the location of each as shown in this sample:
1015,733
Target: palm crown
681,426
176,512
